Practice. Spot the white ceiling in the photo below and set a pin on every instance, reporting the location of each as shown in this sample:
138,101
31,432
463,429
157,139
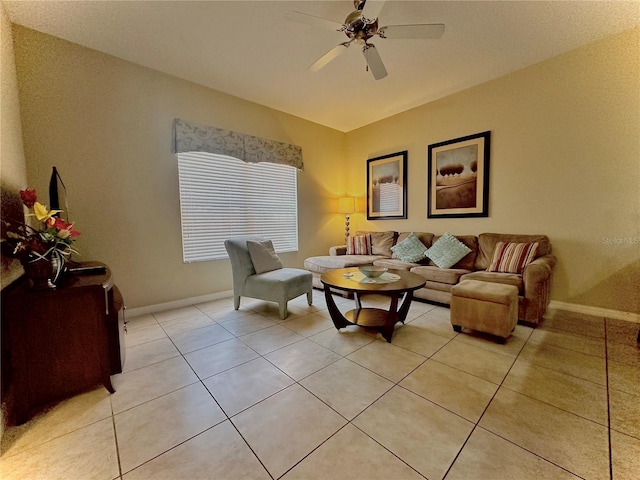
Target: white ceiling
250,50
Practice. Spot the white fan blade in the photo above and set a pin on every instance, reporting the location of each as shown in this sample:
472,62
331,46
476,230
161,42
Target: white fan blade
327,57
301,17
371,10
425,30
374,61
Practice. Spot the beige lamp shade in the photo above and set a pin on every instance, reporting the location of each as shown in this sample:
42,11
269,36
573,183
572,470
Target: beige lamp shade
346,205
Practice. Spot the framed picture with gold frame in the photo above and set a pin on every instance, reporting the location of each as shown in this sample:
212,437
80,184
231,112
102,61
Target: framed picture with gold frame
458,177
387,187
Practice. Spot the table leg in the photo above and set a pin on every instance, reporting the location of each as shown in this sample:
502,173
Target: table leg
392,319
336,315
404,308
108,385
356,297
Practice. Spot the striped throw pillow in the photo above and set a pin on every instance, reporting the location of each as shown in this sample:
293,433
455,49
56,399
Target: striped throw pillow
512,257
359,245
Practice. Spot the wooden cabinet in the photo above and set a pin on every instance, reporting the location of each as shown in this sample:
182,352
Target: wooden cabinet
59,342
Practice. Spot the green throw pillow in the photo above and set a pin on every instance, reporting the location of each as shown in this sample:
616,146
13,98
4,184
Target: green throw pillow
410,250
447,251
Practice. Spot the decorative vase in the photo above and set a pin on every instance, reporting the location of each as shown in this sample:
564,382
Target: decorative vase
58,263
43,273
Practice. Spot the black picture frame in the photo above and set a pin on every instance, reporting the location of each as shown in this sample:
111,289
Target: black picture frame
387,187
458,177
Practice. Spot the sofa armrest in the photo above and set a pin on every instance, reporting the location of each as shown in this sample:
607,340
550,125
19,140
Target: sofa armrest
537,286
541,268
338,250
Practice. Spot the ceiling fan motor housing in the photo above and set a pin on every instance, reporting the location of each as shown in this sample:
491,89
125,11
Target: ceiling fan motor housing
357,29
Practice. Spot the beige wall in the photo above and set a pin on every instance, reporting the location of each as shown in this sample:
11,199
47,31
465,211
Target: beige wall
565,161
106,124
13,172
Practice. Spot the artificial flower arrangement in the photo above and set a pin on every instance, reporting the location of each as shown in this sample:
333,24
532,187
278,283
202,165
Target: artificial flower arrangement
51,239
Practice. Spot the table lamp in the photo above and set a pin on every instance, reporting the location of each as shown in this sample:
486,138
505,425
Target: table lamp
346,205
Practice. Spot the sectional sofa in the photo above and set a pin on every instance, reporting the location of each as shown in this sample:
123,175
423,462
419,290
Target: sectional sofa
533,283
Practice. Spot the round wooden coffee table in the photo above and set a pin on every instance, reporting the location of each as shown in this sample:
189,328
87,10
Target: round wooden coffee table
376,318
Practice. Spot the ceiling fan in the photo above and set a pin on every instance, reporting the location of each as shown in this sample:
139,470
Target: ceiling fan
360,26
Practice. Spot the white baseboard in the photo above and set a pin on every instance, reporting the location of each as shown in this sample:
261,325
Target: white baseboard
569,307
595,311
185,302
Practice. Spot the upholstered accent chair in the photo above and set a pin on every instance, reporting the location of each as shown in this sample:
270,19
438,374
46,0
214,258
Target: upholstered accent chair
258,273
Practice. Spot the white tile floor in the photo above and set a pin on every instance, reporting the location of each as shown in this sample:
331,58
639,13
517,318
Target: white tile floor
211,393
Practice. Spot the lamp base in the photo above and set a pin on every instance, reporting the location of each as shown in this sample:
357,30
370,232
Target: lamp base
346,229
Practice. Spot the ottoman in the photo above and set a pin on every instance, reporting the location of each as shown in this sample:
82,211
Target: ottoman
485,306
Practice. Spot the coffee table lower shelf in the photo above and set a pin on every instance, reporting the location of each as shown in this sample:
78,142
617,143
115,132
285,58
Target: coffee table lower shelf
375,318
367,317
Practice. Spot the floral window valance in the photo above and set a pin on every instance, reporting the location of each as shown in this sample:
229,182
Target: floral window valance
192,137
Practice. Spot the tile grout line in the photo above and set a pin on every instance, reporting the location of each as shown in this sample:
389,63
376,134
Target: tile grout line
295,382
201,381
396,384
250,447
115,437
348,421
172,448
477,424
606,366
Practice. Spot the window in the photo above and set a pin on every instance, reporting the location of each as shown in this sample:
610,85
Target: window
222,197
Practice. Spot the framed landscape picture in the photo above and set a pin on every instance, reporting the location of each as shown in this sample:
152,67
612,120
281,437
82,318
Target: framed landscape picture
458,177
387,187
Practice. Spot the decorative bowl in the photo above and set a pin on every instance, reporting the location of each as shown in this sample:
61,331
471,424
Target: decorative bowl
372,271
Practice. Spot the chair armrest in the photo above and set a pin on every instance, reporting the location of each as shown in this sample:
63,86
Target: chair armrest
338,250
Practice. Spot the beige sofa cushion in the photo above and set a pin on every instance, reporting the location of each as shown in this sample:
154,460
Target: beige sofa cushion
325,263
381,242
450,276
439,287
395,264
487,243
505,278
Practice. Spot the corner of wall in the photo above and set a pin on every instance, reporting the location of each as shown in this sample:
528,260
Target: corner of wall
12,159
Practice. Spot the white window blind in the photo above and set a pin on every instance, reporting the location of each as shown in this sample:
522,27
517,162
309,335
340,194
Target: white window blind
223,197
